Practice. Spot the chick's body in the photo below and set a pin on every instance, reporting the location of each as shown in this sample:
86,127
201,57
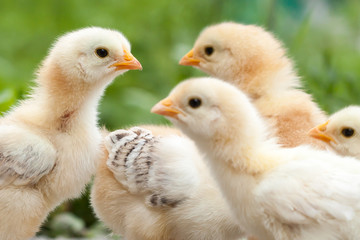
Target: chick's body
50,142
256,62
167,202
275,192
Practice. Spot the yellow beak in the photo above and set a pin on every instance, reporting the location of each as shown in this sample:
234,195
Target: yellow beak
318,132
165,107
189,60
129,62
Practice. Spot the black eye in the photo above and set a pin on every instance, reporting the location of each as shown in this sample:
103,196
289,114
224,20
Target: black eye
101,52
195,102
347,132
209,51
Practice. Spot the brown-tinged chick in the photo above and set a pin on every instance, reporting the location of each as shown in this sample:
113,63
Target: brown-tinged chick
256,62
154,185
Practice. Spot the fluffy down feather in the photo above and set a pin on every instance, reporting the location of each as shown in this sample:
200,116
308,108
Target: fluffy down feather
256,62
162,192
49,143
275,192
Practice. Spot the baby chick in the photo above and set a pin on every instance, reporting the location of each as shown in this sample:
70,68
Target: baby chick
256,62
155,185
275,192
50,141
341,132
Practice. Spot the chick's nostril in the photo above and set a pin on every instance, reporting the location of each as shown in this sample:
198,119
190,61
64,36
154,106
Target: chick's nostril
323,126
127,58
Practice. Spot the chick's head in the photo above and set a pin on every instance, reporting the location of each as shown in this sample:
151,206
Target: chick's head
341,132
234,52
91,54
207,108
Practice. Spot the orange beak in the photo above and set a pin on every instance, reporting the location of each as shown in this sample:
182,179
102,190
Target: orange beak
166,108
189,60
129,62
318,132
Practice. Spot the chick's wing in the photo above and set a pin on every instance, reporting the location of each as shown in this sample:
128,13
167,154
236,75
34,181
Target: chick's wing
306,195
24,156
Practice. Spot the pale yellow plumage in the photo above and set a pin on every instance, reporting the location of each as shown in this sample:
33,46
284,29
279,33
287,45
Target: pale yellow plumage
276,193
50,142
194,206
256,62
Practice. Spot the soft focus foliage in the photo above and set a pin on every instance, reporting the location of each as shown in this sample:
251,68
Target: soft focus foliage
323,38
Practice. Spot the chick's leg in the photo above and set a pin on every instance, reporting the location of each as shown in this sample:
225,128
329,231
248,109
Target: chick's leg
159,167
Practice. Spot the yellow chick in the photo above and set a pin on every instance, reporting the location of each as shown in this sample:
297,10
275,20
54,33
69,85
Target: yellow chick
49,143
156,186
276,193
341,132
256,62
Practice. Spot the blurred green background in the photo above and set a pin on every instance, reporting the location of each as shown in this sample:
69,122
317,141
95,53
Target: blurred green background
322,37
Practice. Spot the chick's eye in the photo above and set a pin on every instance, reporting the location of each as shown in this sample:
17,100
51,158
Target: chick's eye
195,102
101,52
209,50
347,132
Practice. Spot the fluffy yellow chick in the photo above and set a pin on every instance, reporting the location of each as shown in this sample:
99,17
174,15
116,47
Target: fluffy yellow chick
276,193
256,62
49,142
341,132
156,186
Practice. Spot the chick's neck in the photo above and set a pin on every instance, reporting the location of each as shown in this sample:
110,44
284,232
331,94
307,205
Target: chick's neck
267,78
239,157
64,101
244,145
